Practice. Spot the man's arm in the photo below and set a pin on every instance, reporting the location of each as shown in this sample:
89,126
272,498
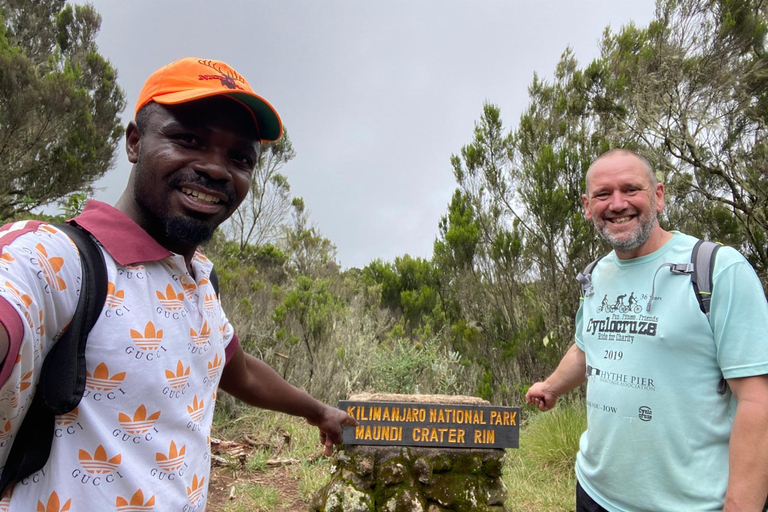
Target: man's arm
748,453
255,383
570,374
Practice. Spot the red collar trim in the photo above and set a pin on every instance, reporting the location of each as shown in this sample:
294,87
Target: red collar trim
123,239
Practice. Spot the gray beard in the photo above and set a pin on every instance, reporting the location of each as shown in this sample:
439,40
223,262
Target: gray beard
636,240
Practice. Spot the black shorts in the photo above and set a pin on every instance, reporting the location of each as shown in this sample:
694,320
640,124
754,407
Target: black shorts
585,503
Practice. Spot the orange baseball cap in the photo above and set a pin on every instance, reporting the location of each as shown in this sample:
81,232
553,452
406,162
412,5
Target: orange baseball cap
191,79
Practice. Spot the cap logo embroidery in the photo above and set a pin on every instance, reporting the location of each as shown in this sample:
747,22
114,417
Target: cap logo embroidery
228,77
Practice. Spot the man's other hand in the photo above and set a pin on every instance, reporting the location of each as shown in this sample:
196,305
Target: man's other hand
331,425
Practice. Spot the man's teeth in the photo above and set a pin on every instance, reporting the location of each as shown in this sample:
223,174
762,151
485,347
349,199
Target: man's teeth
200,195
621,220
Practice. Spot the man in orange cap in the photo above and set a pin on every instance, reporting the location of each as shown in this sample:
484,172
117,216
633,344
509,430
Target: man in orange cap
162,346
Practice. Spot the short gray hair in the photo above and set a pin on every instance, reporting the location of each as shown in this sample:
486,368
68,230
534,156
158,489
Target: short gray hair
621,151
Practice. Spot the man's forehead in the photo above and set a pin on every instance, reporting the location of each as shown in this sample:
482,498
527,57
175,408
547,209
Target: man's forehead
208,114
617,165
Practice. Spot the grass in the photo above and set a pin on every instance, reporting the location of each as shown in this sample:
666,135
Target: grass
539,475
253,497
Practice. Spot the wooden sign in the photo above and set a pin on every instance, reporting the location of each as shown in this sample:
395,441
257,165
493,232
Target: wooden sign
416,424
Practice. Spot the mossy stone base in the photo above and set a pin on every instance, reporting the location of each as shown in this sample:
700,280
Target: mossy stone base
414,479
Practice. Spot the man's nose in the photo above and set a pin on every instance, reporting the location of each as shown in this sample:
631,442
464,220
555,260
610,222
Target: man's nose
215,163
617,201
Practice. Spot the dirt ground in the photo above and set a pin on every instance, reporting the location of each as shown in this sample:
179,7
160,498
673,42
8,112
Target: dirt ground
223,481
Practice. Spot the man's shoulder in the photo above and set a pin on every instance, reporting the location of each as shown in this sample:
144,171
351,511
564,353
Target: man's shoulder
35,237
12,231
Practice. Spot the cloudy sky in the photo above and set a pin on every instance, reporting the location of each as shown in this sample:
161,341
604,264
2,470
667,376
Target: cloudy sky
376,94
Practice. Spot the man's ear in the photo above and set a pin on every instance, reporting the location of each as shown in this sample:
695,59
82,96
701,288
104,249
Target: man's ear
659,197
585,202
132,141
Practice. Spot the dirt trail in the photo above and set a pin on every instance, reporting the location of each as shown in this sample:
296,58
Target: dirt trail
223,479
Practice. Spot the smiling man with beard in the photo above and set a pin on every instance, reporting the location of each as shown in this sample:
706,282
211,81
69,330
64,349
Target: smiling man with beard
162,347
660,436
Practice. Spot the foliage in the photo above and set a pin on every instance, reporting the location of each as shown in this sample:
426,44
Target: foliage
409,287
59,103
304,317
259,219
691,88
309,252
409,368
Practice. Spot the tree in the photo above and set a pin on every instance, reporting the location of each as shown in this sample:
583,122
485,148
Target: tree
259,218
309,253
59,103
692,87
408,287
306,317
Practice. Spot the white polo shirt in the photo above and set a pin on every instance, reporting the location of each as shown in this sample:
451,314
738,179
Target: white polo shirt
139,440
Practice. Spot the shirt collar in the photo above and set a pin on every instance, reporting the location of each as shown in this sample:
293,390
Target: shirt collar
122,238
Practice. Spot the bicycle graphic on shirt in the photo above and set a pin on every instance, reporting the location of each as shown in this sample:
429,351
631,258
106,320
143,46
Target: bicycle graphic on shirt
631,305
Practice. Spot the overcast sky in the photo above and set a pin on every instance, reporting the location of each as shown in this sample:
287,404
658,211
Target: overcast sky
376,95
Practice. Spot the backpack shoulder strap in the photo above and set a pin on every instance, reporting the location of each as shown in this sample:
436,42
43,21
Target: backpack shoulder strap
214,280
62,378
703,259
585,279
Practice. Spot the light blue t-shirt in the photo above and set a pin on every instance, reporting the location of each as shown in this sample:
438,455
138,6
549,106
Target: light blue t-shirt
658,431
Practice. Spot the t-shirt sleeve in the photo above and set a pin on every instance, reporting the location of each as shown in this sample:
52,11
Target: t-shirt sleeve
739,317
39,286
577,335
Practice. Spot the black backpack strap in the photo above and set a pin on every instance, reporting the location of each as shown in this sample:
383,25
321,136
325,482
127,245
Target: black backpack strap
62,378
214,278
703,259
